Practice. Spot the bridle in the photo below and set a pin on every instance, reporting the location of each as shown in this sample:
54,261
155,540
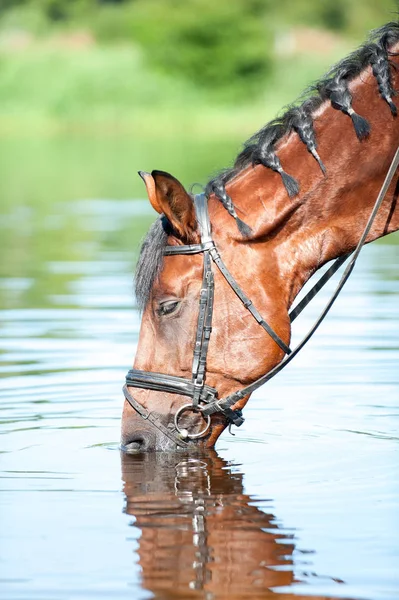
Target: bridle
203,396
204,399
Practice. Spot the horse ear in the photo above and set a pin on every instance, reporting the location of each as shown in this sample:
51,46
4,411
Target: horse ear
151,190
168,197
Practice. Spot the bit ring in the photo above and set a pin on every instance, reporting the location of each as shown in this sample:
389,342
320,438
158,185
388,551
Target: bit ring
184,432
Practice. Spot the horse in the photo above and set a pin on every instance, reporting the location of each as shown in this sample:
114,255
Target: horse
218,272
197,525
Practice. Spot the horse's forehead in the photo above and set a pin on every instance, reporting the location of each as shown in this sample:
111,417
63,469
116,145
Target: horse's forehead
177,273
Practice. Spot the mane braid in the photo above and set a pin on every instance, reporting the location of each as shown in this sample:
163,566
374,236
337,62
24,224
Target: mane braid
334,86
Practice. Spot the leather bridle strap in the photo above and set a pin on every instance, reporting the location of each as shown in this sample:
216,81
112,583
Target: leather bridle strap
170,433
295,312
246,301
204,329
167,383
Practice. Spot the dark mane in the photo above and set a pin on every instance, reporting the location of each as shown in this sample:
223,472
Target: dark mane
261,147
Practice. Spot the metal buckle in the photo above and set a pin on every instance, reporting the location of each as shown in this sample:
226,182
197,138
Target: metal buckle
183,432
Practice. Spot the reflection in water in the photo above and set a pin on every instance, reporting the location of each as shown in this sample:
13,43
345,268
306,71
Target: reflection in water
201,535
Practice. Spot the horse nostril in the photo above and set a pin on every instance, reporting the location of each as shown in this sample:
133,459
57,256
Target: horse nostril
135,445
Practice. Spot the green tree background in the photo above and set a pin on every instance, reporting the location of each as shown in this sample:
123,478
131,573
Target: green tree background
223,45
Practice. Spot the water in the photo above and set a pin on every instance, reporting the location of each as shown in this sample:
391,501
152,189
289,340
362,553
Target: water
303,502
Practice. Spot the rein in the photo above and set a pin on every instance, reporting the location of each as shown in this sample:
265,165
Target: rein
204,398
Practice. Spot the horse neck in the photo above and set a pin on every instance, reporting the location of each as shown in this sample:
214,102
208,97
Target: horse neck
328,216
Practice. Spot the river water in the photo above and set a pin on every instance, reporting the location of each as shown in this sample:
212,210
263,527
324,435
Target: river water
303,502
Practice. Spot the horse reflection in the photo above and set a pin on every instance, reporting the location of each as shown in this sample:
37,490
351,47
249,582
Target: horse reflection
202,537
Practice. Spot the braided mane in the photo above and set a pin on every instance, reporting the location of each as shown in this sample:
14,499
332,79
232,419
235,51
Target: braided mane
334,86
261,147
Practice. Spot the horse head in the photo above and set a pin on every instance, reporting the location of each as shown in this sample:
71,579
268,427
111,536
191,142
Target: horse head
179,297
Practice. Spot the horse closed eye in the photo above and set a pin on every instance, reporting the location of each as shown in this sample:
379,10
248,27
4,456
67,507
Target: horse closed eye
166,308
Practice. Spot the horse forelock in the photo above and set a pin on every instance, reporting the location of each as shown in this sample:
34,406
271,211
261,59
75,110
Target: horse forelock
299,117
150,260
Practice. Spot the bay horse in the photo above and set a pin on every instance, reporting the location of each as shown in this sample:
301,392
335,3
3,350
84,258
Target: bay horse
299,195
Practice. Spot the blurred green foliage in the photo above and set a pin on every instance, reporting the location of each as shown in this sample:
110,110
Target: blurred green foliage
113,65
213,44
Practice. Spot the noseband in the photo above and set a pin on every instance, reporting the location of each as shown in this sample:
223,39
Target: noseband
204,399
